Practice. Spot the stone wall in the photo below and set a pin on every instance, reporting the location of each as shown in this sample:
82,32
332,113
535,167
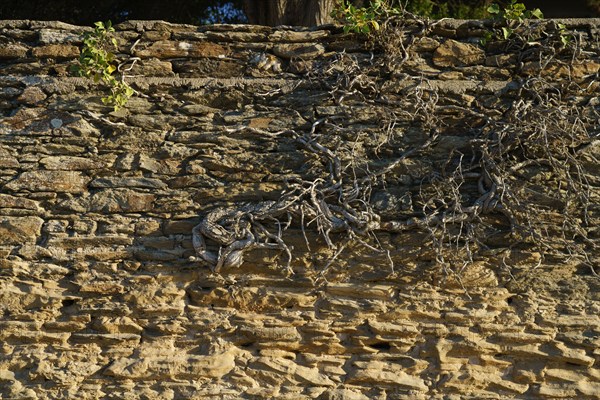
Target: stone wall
99,298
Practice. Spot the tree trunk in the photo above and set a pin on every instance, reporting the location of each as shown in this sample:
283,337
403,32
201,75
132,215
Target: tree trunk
289,12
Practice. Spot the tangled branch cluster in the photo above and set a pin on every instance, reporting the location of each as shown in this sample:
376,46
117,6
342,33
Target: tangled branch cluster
520,177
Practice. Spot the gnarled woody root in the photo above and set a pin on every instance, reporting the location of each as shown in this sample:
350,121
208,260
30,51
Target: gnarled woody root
338,202
325,202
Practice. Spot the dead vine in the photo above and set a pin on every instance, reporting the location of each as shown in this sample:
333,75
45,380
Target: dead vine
518,174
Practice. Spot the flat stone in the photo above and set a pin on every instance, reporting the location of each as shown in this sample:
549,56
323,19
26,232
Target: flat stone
293,36
53,36
9,92
236,37
8,201
147,183
153,67
71,163
175,49
6,375
452,53
210,366
576,70
147,163
90,241
500,60
50,181
312,376
180,227
56,51
378,372
12,50
7,161
32,95
299,50
155,36
280,333
424,44
160,367
19,230
208,67
148,227
343,394
112,201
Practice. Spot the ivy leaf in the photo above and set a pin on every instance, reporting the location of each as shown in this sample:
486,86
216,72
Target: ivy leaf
493,9
537,13
129,91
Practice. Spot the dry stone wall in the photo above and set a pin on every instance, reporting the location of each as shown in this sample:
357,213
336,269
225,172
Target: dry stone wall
99,298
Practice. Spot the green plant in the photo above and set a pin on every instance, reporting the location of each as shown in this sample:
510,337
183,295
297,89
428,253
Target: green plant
100,64
512,15
359,19
565,38
447,9
367,19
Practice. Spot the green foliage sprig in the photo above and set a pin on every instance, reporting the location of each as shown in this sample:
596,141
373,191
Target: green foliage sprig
360,19
565,38
368,19
100,64
512,15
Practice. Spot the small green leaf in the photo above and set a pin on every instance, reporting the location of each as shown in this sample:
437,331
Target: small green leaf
493,8
537,13
519,7
129,91
506,32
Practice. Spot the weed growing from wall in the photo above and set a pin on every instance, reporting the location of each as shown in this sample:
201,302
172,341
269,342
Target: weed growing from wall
98,63
368,18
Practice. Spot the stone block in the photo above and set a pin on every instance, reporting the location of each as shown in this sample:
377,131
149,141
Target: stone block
177,49
453,53
302,36
59,51
121,200
12,50
55,36
145,183
49,181
8,201
299,50
32,95
378,372
19,230
72,163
